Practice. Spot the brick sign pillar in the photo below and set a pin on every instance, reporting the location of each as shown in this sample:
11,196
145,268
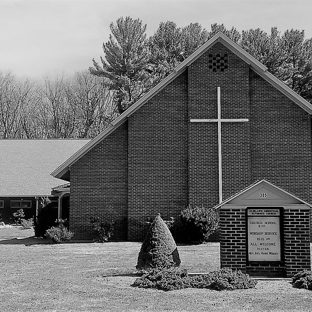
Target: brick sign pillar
265,231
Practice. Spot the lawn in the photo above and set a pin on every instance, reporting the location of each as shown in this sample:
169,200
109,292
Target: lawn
95,277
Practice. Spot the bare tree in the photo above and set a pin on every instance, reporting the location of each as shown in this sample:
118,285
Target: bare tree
93,103
29,123
56,113
14,95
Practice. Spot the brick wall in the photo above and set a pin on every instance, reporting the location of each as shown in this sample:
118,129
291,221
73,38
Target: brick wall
203,140
172,162
296,242
158,147
98,186
233,239
280,139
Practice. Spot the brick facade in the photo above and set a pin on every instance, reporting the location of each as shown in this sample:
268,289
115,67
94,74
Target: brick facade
297,240
98,186
295,243
280,139
157,158
203,143
158,162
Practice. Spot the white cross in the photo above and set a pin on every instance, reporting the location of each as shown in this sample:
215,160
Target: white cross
219,120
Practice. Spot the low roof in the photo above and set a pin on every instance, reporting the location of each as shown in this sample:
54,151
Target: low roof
273,195
26,165
62,171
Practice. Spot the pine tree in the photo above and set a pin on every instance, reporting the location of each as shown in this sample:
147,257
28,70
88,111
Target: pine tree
125,62
266,48
193,37
233,33
296,70
287,56
158,249
170,45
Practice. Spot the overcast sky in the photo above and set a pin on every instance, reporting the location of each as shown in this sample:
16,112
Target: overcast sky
41,38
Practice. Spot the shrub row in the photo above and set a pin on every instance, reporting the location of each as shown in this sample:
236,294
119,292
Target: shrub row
177,278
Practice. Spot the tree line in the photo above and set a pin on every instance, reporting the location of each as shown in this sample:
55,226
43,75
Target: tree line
133,63
83,105
77,107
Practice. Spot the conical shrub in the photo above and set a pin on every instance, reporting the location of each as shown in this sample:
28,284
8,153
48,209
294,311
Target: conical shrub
158,249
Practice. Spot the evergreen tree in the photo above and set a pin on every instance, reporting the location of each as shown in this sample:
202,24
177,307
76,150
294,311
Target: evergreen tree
288,57
125,61
267,49
133,65
159,249
170,45
166,45
233,33
296,70
193,37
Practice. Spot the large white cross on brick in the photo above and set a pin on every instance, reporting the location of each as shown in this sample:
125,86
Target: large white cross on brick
219,120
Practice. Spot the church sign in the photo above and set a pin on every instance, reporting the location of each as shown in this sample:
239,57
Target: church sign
265,231
264,234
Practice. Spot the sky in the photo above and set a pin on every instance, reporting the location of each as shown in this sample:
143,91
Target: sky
46,38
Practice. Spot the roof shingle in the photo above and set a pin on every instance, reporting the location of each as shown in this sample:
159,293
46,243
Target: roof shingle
26,165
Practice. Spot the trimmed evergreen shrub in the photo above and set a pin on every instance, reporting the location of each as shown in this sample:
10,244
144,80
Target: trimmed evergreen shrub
158,249
199,222
176,278
303,279
169,223
227,279
166,279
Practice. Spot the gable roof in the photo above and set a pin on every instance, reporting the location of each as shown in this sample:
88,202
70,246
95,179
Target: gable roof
26,165
258,67
262,185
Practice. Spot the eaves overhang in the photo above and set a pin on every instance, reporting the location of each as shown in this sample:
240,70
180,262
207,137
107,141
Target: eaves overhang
62,171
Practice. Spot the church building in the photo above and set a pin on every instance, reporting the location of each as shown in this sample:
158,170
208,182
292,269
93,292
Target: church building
218,123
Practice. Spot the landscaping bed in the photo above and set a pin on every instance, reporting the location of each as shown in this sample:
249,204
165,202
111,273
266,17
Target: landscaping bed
98,277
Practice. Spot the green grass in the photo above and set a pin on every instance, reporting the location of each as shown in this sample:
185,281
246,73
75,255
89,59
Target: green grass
80,277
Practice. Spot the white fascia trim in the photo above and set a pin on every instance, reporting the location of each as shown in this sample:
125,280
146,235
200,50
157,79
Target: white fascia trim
288,206
61,170
258,67
234,47
283,88
219,37
254,185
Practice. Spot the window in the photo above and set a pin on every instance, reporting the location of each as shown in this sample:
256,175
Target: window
1,204
20,204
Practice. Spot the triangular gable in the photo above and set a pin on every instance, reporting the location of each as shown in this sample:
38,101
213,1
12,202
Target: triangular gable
258,67
262,193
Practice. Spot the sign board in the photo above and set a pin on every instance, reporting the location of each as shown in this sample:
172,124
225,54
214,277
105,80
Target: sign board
263,234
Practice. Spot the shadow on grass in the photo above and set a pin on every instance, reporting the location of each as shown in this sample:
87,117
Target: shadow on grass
130,274
28,241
